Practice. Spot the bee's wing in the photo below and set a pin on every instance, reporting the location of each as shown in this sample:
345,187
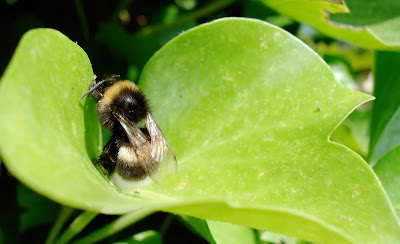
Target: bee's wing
135,135
138,140
161,151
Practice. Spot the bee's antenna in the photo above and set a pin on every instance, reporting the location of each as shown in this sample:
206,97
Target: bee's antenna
93,88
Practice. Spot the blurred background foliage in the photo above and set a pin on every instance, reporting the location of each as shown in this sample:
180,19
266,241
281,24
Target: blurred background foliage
120,37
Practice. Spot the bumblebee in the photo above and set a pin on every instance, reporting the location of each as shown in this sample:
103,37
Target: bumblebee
137,149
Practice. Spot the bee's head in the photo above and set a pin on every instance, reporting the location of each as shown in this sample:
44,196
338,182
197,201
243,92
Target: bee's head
124,99
97,89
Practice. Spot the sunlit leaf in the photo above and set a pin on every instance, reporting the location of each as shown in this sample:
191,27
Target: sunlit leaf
365,12
381,33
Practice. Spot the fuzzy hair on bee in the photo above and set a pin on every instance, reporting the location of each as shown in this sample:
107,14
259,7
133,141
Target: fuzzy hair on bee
138,149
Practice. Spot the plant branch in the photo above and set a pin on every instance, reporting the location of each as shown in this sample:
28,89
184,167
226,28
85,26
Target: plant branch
64,215
115,226
167,222
76,226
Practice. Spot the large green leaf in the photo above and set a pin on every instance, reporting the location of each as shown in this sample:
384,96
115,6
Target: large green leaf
247,108
381,33
385,123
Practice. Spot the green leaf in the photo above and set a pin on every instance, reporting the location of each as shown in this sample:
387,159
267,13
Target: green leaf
238,100
216,232
49,135
225,233
388,171
381,33
198,226
271,237
365,12
385,123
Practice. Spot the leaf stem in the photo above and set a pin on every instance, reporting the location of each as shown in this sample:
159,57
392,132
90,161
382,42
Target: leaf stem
63,216
76,226
201,12
115,226
167,222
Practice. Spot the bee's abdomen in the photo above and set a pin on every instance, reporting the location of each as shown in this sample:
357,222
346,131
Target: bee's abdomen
127,164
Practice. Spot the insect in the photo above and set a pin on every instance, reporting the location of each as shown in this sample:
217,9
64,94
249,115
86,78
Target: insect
137,149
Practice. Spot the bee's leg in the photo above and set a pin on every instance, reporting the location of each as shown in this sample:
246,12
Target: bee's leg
107,166
107,158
